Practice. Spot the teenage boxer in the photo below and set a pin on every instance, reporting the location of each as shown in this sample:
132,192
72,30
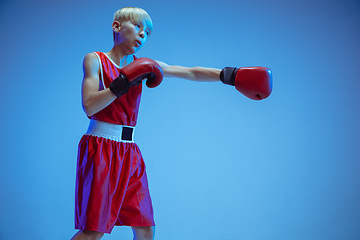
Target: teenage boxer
111,181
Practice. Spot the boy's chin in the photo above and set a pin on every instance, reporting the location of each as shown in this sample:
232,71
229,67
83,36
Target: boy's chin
137,49
131,51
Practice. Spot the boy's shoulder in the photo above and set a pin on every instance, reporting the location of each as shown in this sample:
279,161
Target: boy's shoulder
92,55
91,61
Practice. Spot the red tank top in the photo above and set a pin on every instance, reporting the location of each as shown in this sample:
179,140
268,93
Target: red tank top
123,110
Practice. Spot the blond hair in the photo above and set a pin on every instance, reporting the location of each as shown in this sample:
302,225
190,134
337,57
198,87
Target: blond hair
133,14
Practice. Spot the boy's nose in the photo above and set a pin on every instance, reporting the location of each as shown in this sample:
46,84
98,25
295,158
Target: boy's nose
142,34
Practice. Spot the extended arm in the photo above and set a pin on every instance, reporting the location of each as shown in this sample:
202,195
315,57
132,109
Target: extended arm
253,82
200,74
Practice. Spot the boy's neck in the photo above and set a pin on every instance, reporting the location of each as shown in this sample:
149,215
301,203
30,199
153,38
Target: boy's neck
119,57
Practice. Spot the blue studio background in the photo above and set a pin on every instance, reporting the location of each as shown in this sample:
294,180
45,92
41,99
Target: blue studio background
220,166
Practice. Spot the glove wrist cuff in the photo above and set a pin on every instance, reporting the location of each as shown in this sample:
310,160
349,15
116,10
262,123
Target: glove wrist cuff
227,75
119,86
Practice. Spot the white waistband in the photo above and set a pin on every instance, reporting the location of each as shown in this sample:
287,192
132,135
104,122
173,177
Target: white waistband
107,130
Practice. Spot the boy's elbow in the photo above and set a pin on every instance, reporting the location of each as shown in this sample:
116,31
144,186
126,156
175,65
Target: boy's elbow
88,110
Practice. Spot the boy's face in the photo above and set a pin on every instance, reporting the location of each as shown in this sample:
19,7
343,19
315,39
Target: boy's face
131,35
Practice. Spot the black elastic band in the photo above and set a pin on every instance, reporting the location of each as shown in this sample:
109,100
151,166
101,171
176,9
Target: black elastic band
120,85
227,75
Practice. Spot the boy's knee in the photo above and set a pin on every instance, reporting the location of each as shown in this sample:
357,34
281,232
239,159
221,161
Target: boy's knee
144,233
88,235
94,235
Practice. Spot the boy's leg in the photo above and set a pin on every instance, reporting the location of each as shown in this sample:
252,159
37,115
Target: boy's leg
144,233
87,235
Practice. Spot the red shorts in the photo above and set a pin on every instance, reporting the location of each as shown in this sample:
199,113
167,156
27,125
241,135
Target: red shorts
111,186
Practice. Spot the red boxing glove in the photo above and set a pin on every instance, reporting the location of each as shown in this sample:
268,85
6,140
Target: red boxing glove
254,82
134,73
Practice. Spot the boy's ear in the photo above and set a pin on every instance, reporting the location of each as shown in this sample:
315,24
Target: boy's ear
116,26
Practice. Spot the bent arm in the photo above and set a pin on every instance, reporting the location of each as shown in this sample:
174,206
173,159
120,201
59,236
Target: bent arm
199,74
94,100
